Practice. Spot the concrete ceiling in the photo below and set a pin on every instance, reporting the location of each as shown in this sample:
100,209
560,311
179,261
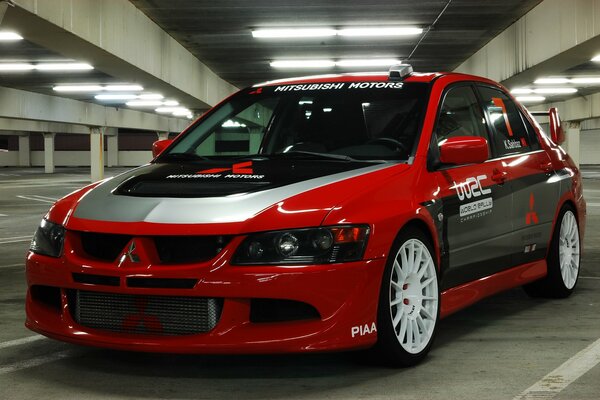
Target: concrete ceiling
219,32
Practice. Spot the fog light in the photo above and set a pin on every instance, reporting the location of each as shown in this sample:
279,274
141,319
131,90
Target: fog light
287,245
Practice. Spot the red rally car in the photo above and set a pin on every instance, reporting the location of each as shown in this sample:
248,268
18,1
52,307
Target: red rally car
321,213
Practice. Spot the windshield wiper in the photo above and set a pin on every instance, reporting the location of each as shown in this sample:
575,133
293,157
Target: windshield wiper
184,156
308,155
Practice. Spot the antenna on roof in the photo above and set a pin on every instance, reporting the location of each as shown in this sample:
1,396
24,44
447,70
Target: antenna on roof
400,71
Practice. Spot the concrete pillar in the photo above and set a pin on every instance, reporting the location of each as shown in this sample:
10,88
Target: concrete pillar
3,7
96,154
112,150
162,135
571,144
48,152
24,153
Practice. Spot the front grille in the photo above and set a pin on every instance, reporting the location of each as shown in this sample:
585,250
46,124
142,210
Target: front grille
189,249
91,279
145,314
104,246
170,249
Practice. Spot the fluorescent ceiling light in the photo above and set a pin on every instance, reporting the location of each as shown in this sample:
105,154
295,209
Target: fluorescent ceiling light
10,36
115,97
596,58
367,63
170,103
530,99
585,80
554,90
63,67
77,88
123,88
551,81
303,64
16,67
181,112
328,32
521,91
144,103
565,90
392,31
151,96
293,33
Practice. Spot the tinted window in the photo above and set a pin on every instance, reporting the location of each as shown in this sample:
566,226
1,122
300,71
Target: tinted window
460,115
508,131
362,120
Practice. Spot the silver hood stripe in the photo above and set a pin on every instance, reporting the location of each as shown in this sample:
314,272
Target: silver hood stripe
101,204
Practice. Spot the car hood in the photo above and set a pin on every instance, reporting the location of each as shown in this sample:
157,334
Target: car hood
225,192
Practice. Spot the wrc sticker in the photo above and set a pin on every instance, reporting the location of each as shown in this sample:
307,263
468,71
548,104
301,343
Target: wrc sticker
362,330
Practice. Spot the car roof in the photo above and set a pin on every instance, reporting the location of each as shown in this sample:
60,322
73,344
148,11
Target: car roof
425,77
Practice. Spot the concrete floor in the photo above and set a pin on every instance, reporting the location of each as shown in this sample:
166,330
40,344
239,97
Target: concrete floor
493,350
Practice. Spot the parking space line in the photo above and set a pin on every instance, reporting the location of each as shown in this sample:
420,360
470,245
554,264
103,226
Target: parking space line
557,380
15,239
589,277
21,341
35,199
12,265
34,362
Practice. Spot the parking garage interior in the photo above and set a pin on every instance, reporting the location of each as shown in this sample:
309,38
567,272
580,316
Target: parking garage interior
87,87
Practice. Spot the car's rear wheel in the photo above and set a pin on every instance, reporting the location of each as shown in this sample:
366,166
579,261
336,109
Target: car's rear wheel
563,259
409,301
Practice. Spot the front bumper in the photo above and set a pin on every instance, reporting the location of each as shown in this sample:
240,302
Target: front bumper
345,296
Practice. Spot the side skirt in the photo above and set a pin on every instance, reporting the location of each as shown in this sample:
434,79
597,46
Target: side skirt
459,297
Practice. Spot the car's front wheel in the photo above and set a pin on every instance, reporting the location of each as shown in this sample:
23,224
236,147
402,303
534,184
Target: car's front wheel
563,259
409,301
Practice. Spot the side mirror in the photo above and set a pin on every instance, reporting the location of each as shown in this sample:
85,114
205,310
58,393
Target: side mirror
159,146
556,131
464,150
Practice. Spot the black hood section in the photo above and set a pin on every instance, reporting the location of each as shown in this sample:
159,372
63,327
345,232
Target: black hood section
213,178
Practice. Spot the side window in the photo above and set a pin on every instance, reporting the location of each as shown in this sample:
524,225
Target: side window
508,130
460,115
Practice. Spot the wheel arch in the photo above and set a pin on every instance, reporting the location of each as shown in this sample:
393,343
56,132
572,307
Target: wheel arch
428,229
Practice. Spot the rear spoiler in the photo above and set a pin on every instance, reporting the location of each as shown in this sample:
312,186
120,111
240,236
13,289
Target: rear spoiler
557,134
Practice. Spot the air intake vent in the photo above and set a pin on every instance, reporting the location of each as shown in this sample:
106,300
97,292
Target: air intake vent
185,188
145,315
189,249
103,246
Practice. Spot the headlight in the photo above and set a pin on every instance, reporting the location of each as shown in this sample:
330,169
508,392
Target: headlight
304,246
48,239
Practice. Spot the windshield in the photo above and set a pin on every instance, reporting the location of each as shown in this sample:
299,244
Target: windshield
342,120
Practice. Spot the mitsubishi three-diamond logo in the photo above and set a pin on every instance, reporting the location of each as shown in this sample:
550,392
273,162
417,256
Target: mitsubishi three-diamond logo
131,254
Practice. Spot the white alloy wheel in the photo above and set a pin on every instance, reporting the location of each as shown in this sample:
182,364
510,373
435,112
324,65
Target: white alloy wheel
568,249
413,296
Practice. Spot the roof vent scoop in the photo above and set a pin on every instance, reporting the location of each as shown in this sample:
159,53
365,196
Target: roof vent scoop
400,71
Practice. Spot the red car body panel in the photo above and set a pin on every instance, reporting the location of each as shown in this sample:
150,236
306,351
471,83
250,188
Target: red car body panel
345,294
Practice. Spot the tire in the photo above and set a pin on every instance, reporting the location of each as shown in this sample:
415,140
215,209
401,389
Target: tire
563,259
409,304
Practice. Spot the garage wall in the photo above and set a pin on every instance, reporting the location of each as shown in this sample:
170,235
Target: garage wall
590,147
8,158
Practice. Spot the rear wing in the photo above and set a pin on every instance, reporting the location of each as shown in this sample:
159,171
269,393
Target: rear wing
557,134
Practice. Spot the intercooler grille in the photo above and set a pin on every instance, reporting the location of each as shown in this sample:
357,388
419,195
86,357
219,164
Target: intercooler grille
145,314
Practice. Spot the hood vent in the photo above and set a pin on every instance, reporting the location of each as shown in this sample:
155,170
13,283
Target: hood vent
185,188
